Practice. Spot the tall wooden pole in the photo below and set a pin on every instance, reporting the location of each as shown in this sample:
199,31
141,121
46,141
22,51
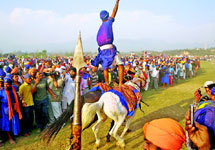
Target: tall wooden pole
78,63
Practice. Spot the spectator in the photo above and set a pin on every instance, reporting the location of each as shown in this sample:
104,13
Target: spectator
165,78
208,85
40,91
69,89
56,83
32,73
2,135
101,75
148,77
27,104
155,77
163,133
190,72
86,79
186,70
203,134
10,109
94,76
16,80
171,74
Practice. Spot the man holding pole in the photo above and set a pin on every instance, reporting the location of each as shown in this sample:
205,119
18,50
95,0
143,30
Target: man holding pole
107,55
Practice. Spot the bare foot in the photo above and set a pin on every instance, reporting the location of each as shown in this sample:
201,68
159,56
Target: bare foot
12,141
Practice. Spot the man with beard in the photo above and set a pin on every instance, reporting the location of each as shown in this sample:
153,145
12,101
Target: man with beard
69,89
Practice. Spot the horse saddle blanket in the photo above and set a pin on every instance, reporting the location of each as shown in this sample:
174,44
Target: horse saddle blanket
100,87
129,97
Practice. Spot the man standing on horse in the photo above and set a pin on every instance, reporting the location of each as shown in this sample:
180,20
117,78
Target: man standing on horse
107,55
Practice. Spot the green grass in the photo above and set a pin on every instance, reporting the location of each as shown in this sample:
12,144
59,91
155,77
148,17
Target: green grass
171,102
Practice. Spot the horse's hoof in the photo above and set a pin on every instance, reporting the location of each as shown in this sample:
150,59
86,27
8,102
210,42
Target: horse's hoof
121,144
98,143
108,138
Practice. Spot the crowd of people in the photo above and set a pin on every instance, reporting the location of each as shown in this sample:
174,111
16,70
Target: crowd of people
166,133
39,90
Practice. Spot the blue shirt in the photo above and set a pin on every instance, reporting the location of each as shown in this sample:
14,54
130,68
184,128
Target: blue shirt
187,66
85,76
105,33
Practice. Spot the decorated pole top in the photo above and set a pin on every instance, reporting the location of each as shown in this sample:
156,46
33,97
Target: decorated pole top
78,61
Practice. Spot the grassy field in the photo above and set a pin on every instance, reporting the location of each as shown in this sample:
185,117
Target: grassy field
171,102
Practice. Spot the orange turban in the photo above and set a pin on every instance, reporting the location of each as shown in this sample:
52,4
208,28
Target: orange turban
15,70
31,70
165,133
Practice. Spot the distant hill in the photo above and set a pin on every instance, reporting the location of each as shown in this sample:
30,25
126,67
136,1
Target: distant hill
193,52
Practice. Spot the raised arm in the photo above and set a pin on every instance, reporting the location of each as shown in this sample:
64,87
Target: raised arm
115,9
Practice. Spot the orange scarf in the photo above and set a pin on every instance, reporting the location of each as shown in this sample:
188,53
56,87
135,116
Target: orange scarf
16,104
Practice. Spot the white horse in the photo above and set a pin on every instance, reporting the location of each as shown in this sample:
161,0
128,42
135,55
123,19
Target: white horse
109,105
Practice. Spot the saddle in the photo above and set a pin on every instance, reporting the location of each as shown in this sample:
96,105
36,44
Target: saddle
132,96
129,96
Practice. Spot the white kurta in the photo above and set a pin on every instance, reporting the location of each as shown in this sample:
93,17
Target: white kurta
68,91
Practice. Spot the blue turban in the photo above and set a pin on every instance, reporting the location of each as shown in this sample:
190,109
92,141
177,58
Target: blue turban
27,66
104,15
26,76
213,91
8,69
2,73
206,116
8,79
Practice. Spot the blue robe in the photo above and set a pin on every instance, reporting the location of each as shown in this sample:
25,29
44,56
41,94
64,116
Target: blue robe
165,78
105,36
6,124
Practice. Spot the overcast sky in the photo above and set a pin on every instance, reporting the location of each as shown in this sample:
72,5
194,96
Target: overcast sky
31,25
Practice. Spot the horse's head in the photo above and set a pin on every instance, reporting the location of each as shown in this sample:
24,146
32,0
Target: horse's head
137,83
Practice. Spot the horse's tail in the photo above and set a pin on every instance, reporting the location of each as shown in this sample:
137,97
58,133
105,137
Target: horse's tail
51,132
89,113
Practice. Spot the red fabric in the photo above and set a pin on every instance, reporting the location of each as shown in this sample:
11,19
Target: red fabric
16,104
145,75
170,80
104,87
132,98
